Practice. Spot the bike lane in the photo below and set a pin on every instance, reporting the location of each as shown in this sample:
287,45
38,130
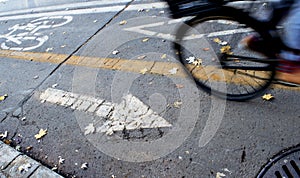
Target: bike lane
72,134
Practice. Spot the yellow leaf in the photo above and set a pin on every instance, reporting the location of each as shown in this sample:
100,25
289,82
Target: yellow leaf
267,97
144,71
226,49
198,62
41,134
3,97
145,40
164,56
217,40
177,104
123,22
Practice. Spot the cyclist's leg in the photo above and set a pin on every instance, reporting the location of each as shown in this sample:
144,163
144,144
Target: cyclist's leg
289,67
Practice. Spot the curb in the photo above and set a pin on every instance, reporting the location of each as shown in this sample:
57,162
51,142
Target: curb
16,164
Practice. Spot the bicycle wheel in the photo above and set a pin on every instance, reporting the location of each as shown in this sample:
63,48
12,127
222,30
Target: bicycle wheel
209,49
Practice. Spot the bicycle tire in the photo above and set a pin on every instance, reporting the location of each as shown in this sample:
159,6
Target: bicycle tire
240,89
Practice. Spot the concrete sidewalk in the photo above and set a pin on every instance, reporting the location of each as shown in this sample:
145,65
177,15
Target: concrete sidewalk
15,164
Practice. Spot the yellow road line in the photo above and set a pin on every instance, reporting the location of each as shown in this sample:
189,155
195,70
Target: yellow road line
151,67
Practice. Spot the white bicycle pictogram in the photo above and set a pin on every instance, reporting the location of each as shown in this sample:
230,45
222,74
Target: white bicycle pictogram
28,37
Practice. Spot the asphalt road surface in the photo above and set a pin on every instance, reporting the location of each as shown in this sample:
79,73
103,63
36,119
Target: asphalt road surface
88,71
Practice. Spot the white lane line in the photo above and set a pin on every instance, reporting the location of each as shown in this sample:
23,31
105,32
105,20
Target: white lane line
116,8
146,30
130,114
64,7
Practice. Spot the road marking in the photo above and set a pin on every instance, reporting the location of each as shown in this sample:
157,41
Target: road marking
146,30
130,114
126,65
65,7
116,8
30,33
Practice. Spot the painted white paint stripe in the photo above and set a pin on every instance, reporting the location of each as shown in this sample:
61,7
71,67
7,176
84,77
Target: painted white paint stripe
130,114
145,30
116,8
80,5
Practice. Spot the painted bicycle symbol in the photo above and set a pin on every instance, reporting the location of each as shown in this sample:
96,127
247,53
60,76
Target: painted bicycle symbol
27,37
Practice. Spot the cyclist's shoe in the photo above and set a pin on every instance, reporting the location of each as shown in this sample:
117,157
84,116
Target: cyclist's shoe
288,71
255,43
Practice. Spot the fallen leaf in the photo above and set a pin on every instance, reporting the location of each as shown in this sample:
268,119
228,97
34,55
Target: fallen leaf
142,57
267,97
223,43
226,49
177,104
190,59
3,135
198,62
173,71
123,22
49,49
205,49
84,166
41,134
217,40
61,160
219,175
18,148
89,129
3,97
7,142
145,40
28,148
179,86
115,52
24,167
54,85
164,56
144,71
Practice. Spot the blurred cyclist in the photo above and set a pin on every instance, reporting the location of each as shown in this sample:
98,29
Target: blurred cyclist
289,64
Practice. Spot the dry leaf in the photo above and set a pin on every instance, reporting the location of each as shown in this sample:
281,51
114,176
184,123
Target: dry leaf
205,49
164,56
3,135
267,97
226,49
177,104
3,97
41,134
142,57
123,22
89,129
61,160
179,86
217,40
219,175
145,40
84,166
173,71
24,167
115,52
198,62
144,71
190,59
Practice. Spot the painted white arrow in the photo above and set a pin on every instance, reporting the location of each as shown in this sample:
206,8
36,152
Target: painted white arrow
130,114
